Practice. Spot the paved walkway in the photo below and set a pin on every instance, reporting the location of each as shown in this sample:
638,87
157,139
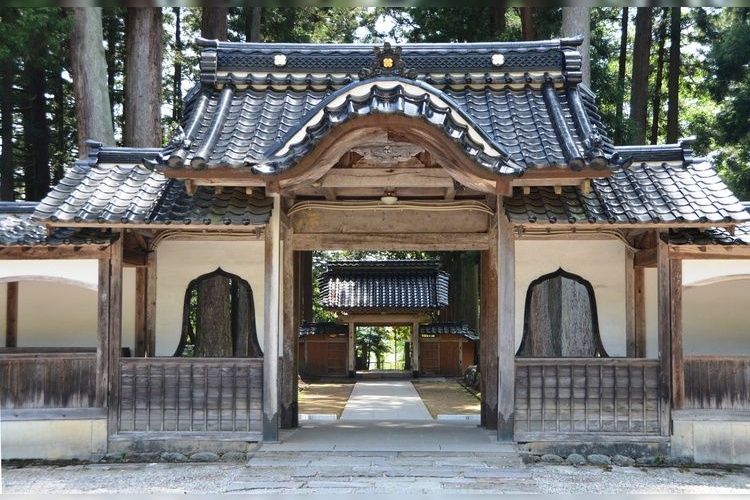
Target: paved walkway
386,442
380,400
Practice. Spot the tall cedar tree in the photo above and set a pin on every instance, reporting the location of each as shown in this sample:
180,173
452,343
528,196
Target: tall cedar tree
143,77
89,72
641,59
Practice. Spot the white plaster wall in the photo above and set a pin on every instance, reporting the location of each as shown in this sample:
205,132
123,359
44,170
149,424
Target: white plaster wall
601,263
180,262
84,271
57,302
715,308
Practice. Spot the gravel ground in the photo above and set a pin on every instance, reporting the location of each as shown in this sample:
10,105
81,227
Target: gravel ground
200,478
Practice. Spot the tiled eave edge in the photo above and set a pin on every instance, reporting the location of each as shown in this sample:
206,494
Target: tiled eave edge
237,227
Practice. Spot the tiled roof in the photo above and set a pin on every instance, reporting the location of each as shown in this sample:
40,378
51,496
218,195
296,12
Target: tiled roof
322,328
100,190
511,106
384,285
454,328
664,184
18,229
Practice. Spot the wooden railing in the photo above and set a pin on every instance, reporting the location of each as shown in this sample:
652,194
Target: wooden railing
559,397
717,382
47,378
191,395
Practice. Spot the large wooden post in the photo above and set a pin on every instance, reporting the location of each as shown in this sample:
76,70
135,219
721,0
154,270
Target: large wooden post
145,307
506,342
271,330
488,343
415,348
11,314
109,337
669,284
289,417
351,350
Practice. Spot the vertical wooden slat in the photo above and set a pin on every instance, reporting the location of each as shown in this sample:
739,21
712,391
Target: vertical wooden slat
150,303
415,359
665,332
11,314
351,350
506,342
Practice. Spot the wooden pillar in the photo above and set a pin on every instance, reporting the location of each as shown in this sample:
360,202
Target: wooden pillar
506,310
664,306
678,366
415,348
303,275
271,333
351,357
288,411
630,335
488,343
640,312
145,308
109,337
11,314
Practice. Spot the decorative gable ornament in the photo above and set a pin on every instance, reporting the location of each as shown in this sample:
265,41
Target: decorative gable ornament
387,62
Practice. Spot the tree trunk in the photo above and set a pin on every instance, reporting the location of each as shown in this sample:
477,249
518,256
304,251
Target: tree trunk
497,21
214,21
528,29
177,76
639,90
7,75
622,63
89,72
661,35
252,24
673,83
142,110
576,21
36,133
214,322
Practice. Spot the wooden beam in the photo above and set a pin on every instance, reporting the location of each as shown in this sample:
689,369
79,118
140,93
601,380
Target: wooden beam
645,258
665,334
488,338
697,252
399,218
271,333
57,252
395,241
11,314
506,342
385,177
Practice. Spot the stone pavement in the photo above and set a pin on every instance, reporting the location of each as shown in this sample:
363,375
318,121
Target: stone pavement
386,442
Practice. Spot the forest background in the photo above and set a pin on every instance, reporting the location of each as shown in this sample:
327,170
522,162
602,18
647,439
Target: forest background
118,76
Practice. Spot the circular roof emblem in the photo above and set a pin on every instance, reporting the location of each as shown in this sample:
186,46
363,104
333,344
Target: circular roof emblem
279,60
498,59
